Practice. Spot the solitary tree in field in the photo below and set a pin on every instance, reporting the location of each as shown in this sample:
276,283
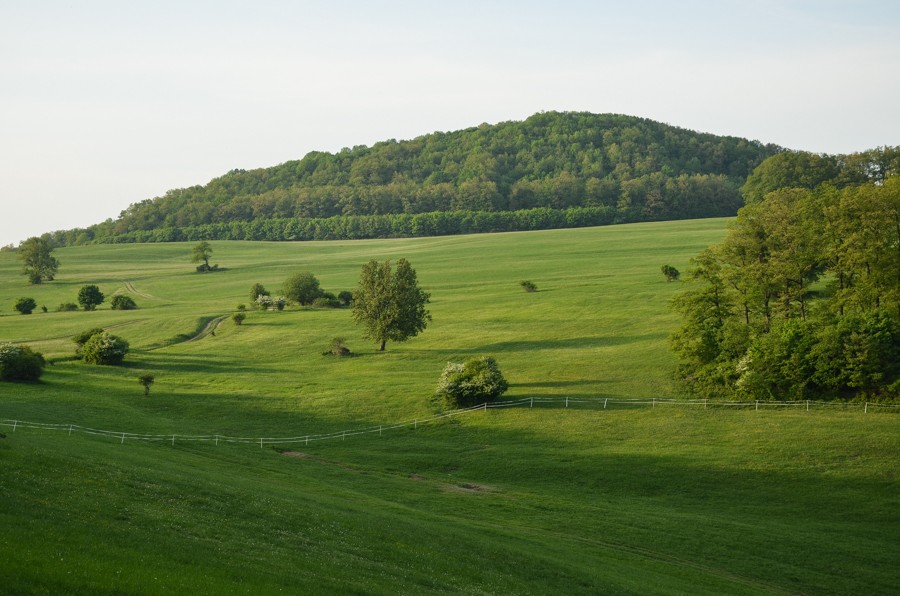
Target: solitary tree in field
25,305
37,260
671,273
390,304
146,381
89,297
202,252
302,288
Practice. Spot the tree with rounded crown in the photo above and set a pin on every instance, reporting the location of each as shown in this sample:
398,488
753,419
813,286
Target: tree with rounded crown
390,304
302,288
202,252
89,297
38,262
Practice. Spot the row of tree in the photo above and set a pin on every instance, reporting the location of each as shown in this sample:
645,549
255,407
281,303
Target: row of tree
802,298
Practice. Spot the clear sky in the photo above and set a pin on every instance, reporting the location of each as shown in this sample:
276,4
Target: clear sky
106,103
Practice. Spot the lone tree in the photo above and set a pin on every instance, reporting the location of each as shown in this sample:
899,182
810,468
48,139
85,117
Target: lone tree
671,273
302,288
38,262
25,305
146,381
89,297
202,252
390,303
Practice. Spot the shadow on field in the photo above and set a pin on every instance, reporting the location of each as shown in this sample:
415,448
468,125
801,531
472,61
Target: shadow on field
571,343
194,364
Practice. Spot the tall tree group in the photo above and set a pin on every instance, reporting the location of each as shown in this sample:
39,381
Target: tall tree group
802,298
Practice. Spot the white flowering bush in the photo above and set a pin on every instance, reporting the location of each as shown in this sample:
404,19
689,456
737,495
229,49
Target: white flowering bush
475,381
104,348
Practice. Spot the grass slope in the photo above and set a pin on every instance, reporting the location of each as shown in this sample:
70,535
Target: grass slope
665,500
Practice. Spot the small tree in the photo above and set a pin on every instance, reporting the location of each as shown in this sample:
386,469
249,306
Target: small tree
146,380
528,286
345,297
202,252
122,302
238,318
337,348
477,380
25,305
256,291
20,363
390,304
89,297
37,259
302,288
104,348
670,272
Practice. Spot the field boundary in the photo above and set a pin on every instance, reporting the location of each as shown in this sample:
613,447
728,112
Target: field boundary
527,402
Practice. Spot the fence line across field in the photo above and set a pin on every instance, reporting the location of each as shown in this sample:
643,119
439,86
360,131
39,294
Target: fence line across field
526,402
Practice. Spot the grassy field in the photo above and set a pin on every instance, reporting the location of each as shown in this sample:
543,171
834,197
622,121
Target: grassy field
674,499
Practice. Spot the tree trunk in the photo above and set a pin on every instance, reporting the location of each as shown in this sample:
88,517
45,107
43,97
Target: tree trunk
383,342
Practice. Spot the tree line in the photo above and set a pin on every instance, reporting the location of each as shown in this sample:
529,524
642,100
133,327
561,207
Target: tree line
636,168
802,298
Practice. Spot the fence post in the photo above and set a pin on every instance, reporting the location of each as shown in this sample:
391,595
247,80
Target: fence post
757,405
807,405
173,439
485,406
344,436
260,442
866,411
15,423
704,403
532,403
123,439
217,440
567,402
654,402
379,430
416,423
70,430
307,440
604,403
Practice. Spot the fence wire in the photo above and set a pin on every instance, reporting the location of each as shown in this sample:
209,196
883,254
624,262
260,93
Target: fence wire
526,402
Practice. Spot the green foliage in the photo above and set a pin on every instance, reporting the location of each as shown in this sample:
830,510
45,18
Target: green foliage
25,305
146,380
81,338
256,291
242,307
122,302
89,297
345,297
302,288
671,273
475,381
337,347
238,318
104,348
633,169
67,307
528,286
37,258
757,327
389,304
20,363
201,252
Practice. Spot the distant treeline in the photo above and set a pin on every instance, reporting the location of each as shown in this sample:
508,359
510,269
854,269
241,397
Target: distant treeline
552,167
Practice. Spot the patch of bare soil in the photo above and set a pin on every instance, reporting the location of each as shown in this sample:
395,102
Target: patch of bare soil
295,454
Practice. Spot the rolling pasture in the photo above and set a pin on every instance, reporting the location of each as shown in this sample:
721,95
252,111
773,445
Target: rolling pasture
671,499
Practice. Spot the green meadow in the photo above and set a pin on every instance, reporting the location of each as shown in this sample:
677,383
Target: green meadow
669,499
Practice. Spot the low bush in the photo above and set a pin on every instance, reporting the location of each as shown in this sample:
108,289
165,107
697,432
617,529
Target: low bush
20,363
325,302
475,381
345,297
337,348
528,286
122,302
25,305
238,318
104,348
66,307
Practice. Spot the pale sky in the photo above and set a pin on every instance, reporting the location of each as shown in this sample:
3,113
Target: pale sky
107,103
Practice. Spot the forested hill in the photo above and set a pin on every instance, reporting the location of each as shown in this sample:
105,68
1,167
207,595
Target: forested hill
603,166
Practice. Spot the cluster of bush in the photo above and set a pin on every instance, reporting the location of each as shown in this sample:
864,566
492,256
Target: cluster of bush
89,297
20,363
301,288
97,346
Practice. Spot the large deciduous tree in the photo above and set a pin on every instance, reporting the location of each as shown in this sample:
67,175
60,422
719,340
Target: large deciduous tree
390,303
302,288
202,252
90,296
38,262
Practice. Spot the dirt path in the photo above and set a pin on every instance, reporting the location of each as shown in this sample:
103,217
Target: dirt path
129,287
210,328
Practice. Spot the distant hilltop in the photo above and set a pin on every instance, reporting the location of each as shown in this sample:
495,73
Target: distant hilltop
554,169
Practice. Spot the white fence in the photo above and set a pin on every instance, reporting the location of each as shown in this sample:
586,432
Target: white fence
528,402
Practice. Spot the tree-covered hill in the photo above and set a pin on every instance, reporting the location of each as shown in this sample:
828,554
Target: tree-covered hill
618,168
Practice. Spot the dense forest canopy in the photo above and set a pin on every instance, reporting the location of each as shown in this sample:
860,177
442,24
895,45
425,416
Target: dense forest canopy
632,169
802,298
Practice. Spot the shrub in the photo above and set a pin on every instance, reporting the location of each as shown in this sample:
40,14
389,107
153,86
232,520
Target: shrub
279,302
238,318
43,309
82,338
122,302
473,382
105,348
20,363
671,273
146,381
345,297
25,305
528,286
302,288
242,307
89,297
337,348
256,291
325,302
263,302
66,307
